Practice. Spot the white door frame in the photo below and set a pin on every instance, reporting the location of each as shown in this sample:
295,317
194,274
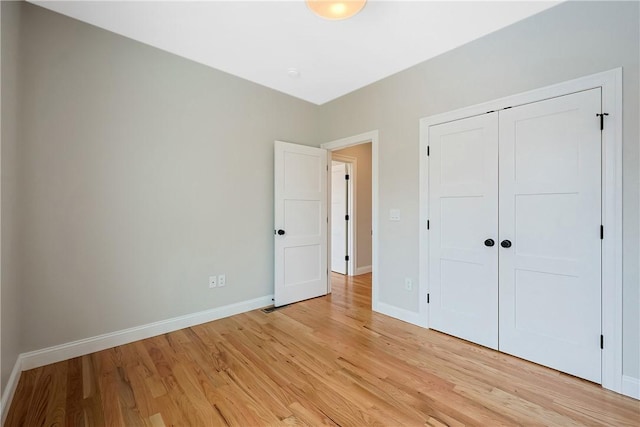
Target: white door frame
351,167
363,138
611,84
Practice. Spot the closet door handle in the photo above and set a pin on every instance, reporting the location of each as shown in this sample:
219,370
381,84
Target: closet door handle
280,232
489,242
505,243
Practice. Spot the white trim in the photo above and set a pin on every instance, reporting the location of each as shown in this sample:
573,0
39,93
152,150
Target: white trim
3,393
631,386
350,141
408,316
363,270
352,209
611,84
58,353
10,390
423,244
363,138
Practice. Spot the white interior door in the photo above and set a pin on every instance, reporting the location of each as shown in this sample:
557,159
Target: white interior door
300,196
339,210
550,211
463,216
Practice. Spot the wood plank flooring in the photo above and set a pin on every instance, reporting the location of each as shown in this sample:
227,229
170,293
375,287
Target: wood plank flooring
326,361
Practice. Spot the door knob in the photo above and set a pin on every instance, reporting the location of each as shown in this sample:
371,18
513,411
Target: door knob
489,242
505,243
280,232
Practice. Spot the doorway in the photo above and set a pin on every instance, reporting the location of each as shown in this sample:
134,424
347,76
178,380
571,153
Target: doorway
302,200
359,153
351,210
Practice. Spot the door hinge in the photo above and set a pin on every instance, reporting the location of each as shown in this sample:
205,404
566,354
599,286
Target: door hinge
427,298
428,225
601,115
346,177
428,151
602,341
346,217
602,232
346,257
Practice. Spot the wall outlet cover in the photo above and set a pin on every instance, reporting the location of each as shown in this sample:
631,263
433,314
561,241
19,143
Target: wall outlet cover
408,284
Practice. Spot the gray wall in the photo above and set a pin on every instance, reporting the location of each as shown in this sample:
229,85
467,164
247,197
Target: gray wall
10,290
142,174
571,40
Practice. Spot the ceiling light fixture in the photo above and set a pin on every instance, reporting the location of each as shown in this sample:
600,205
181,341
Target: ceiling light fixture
335,10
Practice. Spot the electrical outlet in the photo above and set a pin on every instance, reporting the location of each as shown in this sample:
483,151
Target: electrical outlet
222,280
212,281
408,284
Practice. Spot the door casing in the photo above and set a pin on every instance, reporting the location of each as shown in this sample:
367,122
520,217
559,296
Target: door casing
611,84
350,141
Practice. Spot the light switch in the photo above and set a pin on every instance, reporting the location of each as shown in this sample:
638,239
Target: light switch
394,215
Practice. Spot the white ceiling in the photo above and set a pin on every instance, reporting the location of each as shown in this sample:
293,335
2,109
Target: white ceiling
260,40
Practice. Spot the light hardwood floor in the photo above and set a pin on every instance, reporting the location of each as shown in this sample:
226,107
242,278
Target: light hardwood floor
326,361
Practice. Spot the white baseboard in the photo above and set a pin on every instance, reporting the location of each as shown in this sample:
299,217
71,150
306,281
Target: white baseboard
631,386
34,359
10,390
400,314
363,270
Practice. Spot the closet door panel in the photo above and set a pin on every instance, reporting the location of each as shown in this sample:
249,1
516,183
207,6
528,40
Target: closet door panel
463,213
550,211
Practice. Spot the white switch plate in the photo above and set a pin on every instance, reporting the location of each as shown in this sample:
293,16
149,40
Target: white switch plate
222,280
212,281
408,283
394,215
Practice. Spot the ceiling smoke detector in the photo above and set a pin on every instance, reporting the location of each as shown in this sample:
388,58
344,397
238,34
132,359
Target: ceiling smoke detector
293,73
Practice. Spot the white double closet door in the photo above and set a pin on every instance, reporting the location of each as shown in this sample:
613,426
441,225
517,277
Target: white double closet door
514,241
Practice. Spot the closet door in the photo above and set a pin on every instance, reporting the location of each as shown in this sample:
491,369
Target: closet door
463,216
550,213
